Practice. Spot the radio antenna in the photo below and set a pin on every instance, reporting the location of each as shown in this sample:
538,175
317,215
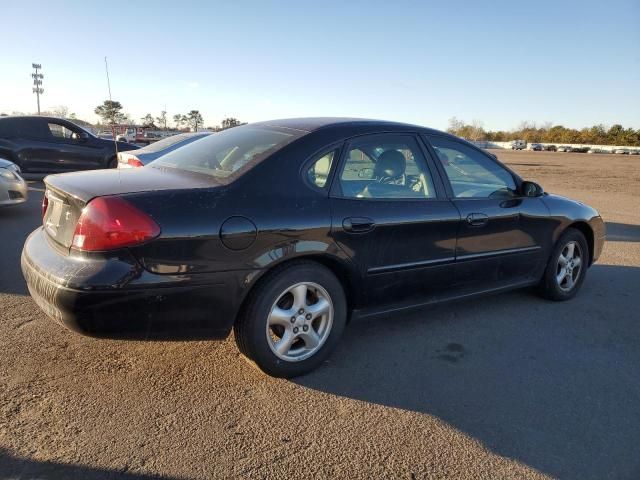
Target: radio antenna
113,131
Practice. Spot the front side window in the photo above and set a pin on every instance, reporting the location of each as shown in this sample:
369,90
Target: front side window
61,131
471,173
385,166
229,154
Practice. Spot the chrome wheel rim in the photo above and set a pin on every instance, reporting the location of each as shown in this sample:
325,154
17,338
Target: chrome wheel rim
299,322
569,266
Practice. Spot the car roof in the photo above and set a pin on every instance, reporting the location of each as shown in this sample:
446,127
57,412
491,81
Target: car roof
43,117
311,124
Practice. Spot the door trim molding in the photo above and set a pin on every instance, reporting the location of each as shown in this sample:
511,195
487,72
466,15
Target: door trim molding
497,253
409,266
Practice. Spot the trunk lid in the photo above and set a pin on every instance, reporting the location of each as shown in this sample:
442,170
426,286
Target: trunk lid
68,193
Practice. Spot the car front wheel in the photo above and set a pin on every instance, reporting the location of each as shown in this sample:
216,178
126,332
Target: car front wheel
292,320
567,267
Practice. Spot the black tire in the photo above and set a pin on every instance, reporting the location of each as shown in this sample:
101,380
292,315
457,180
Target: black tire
549,287
113,163
251,325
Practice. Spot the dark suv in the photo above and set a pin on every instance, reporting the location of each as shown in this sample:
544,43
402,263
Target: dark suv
51,145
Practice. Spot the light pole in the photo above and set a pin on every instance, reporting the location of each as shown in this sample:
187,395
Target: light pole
37,82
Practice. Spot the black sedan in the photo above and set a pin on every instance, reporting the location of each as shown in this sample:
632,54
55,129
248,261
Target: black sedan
284,230
39,144
148,154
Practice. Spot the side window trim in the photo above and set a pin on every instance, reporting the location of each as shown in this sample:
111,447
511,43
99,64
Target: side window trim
335,190
441,172
426,137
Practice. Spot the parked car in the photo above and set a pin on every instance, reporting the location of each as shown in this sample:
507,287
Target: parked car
283,230
145,155
13,188
518,145
621,151
564,148
129,135
536,147
104,134
578,149
634,152
550,148
39,144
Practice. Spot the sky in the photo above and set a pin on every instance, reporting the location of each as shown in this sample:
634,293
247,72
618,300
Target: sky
575,63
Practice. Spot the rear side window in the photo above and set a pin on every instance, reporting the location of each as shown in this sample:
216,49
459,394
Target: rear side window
385,166
318,173
229,154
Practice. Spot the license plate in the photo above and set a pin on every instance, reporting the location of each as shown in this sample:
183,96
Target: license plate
53,218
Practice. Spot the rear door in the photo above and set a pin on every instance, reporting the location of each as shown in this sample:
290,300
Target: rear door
503,235
391,216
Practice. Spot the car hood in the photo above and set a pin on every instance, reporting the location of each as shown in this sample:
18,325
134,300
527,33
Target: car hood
567,207
96,183
5,163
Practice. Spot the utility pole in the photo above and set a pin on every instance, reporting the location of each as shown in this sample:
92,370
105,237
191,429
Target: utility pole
37,82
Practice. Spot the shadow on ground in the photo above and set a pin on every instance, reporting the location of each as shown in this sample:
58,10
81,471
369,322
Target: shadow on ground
623,232
16,468
553,385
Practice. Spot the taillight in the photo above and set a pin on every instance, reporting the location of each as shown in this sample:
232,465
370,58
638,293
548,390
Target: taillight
107,223
134,162
45,204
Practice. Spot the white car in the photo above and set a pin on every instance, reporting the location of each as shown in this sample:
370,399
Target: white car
13,188
518,145
128,136
621,151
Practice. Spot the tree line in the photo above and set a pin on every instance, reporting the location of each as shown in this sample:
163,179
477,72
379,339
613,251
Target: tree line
111,113
548,133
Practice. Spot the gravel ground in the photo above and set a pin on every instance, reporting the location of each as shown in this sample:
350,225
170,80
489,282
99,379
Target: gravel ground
509,386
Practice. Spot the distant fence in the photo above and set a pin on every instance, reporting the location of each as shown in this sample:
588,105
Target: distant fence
602,148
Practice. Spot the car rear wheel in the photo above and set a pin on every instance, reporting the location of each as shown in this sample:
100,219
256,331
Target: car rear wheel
113,163
292,320
567,267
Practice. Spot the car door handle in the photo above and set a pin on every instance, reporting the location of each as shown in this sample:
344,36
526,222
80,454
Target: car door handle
477,219
358,224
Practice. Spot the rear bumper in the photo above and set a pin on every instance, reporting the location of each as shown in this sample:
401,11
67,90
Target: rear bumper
115,298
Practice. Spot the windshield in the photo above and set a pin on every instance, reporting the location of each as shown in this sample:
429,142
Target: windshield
228,154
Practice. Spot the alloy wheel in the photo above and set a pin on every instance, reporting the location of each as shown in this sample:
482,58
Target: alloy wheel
569,266
300,321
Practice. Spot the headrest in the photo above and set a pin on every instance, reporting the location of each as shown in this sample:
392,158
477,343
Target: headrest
390,164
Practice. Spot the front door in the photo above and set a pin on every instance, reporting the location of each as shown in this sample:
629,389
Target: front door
391,216
501,240
66,150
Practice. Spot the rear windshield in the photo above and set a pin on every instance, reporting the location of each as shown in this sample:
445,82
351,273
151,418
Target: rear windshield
169,141
229,154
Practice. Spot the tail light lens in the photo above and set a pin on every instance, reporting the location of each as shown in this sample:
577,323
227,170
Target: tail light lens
45,204
134,162
107,223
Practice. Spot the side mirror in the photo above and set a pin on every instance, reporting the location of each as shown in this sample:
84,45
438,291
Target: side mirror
531,189
82,137
365,173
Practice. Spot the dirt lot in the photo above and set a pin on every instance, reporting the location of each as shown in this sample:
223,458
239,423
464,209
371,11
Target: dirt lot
509,386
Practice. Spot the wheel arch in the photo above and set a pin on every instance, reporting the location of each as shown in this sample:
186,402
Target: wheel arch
587,231
337,266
